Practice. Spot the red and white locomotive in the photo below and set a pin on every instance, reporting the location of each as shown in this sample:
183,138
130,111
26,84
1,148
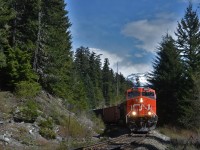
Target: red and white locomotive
138,111
141,109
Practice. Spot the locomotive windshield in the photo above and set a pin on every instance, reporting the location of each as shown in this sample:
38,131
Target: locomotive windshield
133,94
149,94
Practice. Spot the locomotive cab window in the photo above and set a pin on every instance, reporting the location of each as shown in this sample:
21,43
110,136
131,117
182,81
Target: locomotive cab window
133,94
149,94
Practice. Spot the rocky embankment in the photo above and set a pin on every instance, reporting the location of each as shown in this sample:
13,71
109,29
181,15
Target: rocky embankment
22,135
42,122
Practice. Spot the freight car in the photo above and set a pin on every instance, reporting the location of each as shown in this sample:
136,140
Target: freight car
138,112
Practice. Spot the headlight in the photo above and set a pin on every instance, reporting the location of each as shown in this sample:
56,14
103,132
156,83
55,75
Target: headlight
134,113
149,113
141,100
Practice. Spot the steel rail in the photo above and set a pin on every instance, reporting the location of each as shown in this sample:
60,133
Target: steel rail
117,143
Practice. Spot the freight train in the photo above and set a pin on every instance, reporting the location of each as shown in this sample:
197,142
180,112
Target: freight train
137,112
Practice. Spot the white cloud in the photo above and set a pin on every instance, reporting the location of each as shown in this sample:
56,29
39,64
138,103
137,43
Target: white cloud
124,66
113,58
149,32
138,55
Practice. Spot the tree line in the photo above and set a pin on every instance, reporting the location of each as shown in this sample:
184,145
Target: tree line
98,81
36,53
176,74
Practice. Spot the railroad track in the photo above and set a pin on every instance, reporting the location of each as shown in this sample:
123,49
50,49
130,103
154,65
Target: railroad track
121,142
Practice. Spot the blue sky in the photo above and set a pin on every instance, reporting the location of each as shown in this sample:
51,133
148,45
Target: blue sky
124,31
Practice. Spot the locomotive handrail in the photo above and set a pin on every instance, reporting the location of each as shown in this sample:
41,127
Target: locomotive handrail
148,109
127,116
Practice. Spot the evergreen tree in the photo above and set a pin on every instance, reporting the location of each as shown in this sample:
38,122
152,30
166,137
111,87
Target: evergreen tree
79,96
93,68
14,47
82,68
92,72
190,106
106,80
188,34
188,42
39,32
98,86
57,60
123,86
24,25
88,66
6,14
99,83
19,67
167,80
82,61
39,56
95,76
112,88
2,59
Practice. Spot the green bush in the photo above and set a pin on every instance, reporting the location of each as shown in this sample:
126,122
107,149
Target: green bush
46,128
47,123
27,89
76,130
27,112
47,133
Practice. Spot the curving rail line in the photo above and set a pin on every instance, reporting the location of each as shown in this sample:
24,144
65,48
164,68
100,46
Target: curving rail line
121,142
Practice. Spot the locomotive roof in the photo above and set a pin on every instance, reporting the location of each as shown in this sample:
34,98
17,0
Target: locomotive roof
141,89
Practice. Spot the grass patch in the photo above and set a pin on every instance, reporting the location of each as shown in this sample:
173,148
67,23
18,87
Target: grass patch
8,103
73,128
99,125
177,133
181,138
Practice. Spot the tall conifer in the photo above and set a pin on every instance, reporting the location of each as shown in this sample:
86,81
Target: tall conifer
6,14
17,45
188,42
56,69
167,80
106,81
